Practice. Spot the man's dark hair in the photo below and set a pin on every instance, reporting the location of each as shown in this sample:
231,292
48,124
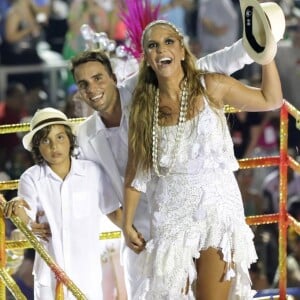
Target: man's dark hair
92,55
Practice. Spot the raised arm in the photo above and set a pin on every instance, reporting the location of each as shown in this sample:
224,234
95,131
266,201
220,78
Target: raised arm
227,60
232,92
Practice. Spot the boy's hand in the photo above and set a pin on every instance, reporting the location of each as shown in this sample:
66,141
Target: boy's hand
11,207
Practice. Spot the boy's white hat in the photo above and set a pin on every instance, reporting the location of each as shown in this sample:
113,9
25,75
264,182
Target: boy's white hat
263,27
42,118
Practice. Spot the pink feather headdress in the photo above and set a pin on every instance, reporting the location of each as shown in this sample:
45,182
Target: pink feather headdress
138,15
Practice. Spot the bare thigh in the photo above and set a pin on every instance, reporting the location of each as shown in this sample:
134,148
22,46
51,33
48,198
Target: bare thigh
210,272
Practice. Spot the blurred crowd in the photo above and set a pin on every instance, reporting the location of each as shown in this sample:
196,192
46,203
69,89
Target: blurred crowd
38,31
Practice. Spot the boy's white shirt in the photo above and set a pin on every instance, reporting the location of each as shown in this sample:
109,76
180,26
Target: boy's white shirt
72,207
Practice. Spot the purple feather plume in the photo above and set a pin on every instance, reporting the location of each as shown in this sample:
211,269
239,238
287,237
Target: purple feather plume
138,15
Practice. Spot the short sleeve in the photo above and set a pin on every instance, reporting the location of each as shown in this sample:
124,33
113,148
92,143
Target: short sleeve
28,192
141,180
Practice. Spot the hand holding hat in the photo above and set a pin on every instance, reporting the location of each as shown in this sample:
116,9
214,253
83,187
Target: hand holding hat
263,27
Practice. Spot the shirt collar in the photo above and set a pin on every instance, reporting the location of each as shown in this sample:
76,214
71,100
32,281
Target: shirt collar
76,169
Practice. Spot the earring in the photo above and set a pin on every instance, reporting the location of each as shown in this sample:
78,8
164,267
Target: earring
147,64
182,59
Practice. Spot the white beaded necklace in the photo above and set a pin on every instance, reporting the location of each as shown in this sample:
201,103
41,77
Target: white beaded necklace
179,132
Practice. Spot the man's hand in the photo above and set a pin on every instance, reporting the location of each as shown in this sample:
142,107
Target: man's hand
41,230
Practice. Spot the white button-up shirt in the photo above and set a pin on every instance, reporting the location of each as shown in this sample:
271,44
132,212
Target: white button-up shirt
73,207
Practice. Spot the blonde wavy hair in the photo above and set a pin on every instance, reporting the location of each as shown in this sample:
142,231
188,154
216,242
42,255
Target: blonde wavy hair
142,110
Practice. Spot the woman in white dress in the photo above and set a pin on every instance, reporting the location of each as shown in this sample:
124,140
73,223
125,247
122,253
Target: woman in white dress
181,156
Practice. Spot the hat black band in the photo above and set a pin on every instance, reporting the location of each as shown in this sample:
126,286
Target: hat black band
49,121
249,32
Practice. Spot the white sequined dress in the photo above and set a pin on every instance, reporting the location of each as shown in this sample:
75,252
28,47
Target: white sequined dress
197,206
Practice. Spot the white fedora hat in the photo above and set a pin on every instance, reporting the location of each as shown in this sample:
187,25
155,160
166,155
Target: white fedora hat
263,27
42,118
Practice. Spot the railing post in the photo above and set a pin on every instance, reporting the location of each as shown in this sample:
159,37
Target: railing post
2,254
283,224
